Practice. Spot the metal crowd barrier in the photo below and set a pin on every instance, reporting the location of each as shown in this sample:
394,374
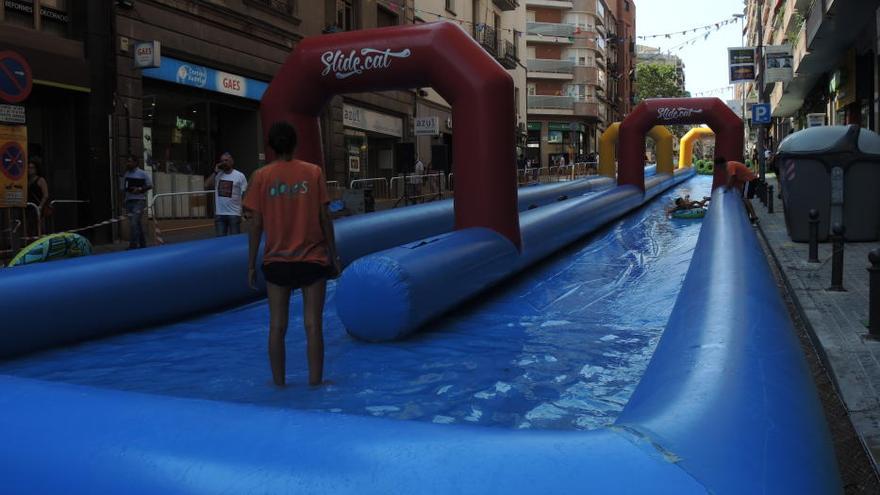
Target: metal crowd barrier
379,186
427,185
55,202
188,211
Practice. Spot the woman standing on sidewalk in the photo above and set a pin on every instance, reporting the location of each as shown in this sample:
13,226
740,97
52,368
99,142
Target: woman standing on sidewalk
288,199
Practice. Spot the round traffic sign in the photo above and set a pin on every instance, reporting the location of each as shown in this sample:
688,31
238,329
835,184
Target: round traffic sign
12,160
16,80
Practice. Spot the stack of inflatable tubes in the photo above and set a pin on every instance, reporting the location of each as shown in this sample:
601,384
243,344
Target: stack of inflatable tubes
103,295
390,294
726,406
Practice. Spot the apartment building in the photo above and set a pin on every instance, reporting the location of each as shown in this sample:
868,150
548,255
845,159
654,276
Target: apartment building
580,59
499,27
834,48
653,55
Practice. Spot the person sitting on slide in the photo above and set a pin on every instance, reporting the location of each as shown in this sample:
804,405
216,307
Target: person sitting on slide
686,203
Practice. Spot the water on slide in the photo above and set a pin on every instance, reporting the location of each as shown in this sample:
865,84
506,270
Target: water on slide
560,346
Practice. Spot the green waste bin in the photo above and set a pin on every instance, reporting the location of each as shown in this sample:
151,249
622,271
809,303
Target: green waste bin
835,170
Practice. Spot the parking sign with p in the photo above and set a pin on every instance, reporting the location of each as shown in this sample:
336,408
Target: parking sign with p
761,113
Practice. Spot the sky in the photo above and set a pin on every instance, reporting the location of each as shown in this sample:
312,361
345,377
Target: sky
706,60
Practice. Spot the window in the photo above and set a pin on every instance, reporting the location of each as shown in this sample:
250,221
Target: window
554,137
600,9
626,5
583,21
346,15
516,99
450,6
385,17
531,89
582,57
580,92
530,16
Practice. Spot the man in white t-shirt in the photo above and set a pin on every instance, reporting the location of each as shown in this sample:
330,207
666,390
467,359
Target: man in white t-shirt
229,185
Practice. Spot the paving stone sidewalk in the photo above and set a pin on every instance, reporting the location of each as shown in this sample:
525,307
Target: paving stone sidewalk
836,320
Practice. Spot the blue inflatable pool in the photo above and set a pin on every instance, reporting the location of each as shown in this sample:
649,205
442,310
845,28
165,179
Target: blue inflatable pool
720,402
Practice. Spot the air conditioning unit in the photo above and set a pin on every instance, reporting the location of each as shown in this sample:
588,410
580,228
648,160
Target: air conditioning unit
449,123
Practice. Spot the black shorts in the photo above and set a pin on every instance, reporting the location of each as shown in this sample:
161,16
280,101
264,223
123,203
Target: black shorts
295,274
749,189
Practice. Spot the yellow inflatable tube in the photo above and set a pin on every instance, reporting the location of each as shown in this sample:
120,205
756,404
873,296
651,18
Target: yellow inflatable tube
686,147
608,153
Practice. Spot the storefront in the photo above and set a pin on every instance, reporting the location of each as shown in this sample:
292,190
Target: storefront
369,142
192,114
533,144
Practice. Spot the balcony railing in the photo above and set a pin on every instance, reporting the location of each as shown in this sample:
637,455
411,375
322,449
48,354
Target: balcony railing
282,6
549,65
508,57
506,4
551,102
487,37
550,29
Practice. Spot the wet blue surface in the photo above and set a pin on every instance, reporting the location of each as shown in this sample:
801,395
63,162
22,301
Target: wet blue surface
560,347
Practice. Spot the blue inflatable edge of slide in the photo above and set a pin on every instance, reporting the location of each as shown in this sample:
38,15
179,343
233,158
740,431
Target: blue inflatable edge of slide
103,295
726,405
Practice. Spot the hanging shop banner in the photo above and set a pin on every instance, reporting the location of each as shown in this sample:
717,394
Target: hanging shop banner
368,120
426,126
741,64
777,64
13,166
197,76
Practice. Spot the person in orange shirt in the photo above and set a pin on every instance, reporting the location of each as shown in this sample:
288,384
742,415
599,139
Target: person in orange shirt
744,180
288,200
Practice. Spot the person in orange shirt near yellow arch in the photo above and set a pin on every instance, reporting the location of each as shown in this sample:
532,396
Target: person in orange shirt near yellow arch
744,180
288,200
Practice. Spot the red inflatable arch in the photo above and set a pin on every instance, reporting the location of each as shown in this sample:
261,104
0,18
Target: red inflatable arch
439,55
727,126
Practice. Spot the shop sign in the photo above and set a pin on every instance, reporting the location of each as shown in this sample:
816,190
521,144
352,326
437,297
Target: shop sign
356,62
28,8
815,119
187,74
12,114
426,126
147,54
13,166
741,64
231,84
368,120
777,63
354,163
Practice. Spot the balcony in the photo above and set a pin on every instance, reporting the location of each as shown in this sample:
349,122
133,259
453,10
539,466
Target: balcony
487,38
506,4
550,69
554,105
550,4
508,57
549,32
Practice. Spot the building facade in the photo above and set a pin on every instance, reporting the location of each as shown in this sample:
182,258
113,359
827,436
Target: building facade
499,27
834,61
652,55
580,60
65,43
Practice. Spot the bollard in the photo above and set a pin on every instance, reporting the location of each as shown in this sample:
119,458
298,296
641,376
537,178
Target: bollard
814,237
770,199
837,258
874,294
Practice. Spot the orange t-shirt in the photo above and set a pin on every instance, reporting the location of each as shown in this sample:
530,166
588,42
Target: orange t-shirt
741,172
290,196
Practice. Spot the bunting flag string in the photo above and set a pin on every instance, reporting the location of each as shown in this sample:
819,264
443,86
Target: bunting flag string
707,27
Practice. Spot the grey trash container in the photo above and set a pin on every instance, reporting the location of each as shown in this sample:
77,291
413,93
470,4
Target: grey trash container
836,170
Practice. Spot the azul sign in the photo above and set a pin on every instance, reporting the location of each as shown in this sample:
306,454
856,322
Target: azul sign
197,76
667,113
354,63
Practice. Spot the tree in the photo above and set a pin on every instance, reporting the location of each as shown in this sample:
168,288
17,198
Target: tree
655,80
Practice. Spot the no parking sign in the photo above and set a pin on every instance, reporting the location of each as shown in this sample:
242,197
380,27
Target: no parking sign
13,166
15,77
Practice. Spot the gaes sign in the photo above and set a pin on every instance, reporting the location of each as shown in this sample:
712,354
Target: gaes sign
147,54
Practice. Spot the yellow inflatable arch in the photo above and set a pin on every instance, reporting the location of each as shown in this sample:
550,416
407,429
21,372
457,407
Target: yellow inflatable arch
608,143
686,147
